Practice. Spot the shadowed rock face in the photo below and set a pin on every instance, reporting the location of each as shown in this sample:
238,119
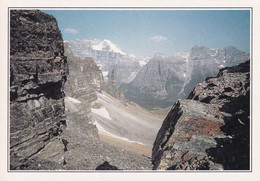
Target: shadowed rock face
210,129
38,70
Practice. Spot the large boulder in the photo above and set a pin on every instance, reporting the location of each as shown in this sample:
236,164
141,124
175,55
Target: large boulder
210,129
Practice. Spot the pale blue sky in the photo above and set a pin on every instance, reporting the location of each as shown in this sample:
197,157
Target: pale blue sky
145,32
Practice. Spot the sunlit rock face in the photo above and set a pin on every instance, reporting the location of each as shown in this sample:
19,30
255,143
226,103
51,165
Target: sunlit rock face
210,129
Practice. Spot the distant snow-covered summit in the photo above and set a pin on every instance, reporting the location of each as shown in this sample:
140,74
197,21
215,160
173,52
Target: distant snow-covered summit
106,45
85,47
108,57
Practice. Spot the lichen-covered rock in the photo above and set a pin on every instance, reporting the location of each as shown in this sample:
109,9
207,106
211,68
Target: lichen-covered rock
211,131
38,70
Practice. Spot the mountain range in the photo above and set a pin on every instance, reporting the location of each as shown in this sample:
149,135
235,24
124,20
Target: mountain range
158,81
163,80
61,116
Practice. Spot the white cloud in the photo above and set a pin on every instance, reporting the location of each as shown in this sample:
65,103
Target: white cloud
158,38
70,30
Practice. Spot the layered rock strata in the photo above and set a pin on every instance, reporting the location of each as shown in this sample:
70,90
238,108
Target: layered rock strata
38,70
210,129
84,149
83,72
85,78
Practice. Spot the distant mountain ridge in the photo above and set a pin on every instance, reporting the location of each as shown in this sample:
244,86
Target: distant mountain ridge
163,80
108,57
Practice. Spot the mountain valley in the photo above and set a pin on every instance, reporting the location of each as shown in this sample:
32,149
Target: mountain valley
88,105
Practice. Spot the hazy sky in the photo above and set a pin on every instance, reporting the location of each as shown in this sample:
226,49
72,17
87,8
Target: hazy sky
146,32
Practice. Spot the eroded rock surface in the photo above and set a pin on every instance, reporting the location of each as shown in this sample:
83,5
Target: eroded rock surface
38,70
210,129
83,72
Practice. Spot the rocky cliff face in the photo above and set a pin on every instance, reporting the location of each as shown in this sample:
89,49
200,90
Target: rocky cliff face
38,70
40,136
84,149
112,89
210,129
85,77
83,72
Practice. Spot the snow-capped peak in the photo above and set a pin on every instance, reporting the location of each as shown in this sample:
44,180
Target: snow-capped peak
159,55
107,46
132,55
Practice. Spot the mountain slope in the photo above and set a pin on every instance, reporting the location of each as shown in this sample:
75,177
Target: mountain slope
133,125
165,79
100,126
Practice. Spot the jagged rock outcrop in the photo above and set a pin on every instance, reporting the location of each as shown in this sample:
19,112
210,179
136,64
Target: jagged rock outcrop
112,89
38,70
85,78
210,129
83,72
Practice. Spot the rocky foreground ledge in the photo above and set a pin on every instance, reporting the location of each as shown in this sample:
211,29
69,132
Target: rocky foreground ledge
38,70
211,129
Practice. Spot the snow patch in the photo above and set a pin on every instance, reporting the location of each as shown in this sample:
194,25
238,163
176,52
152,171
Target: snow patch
131,55
221,66
108,46
102,130
142,63
74,100
101,112
105,73
131,77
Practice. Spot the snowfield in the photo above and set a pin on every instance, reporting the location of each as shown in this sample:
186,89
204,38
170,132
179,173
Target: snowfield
105,132
105,73
101,112
105,44
126,122
74,100
142,63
